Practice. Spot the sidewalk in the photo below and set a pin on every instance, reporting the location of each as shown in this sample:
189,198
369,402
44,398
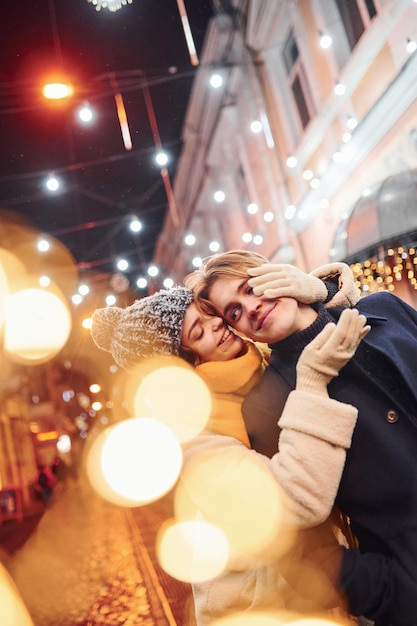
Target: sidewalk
83,562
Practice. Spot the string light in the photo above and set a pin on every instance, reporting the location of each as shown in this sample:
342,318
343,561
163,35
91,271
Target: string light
52,183
339,89
384,272
216,81
411,46
325,41
111,5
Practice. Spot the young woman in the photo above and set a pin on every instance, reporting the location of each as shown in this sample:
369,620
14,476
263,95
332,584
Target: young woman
315,430
378,490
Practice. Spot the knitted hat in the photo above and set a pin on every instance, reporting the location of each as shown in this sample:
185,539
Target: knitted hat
148,327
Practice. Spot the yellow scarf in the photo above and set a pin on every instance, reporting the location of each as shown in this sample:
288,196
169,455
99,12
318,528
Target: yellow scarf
229,383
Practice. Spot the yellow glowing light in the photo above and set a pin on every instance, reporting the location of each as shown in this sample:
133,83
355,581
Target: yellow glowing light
134,462
96,406
95,388
50,435
192,551
37,325
238,496
313,621
13,610
57,91
10,268
176,396
255,618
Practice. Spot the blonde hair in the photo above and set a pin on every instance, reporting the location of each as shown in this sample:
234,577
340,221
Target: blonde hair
232,264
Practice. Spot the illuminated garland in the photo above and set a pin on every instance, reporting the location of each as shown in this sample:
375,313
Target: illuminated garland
382,274
111,5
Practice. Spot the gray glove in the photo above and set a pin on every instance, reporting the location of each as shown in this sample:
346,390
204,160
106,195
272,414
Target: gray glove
323,358
284,280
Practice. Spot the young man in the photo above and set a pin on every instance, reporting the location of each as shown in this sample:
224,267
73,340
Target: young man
378,489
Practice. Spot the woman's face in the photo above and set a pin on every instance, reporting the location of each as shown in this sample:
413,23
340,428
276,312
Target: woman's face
208,337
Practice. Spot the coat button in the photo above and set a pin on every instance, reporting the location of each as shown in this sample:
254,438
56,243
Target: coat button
392,416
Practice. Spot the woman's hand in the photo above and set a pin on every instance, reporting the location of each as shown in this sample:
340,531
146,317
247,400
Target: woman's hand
323,358
282,280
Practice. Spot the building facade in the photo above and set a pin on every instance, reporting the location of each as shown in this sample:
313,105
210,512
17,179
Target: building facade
305,150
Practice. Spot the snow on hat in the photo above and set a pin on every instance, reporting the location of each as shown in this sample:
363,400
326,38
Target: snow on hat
149,327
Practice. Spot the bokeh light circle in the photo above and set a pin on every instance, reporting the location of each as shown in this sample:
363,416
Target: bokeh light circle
177,397
192,551
13,610
37,325
255,618
134,462
239,496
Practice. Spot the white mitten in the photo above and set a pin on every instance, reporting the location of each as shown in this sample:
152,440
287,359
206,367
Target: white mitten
323,358
348,294
284,280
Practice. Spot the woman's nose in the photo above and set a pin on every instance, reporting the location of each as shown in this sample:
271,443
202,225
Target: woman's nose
217,322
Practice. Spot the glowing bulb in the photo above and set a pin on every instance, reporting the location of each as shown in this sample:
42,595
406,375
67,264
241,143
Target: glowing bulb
52,183
219,196
57,91
216,81
161,158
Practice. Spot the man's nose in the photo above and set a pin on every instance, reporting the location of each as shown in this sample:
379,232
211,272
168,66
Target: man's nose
252,307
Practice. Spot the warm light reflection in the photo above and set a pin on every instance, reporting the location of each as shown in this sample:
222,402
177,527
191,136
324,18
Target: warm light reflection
54,261
50,435
10,268
176,396
134,462
237,495
254,618
314,621
37,325
13,610
192,551
272,618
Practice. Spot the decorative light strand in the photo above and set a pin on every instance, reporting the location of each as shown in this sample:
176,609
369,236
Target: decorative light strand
111,5
382,273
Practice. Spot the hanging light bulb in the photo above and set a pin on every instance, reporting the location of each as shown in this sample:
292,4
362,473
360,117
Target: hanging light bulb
325,40
111,5
411,46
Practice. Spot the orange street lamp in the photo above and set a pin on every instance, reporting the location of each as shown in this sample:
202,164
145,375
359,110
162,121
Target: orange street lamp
57,91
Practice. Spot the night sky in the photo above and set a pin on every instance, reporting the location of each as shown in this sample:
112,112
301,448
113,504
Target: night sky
103,183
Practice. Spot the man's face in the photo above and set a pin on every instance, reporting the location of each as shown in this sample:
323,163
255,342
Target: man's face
258,318
209,337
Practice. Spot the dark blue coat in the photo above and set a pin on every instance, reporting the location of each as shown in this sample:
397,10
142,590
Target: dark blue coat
378,489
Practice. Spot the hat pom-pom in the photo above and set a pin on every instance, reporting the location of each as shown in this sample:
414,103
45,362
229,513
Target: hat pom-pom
104,323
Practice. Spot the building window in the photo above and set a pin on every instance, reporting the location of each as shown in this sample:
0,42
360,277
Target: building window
297,80
355,16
